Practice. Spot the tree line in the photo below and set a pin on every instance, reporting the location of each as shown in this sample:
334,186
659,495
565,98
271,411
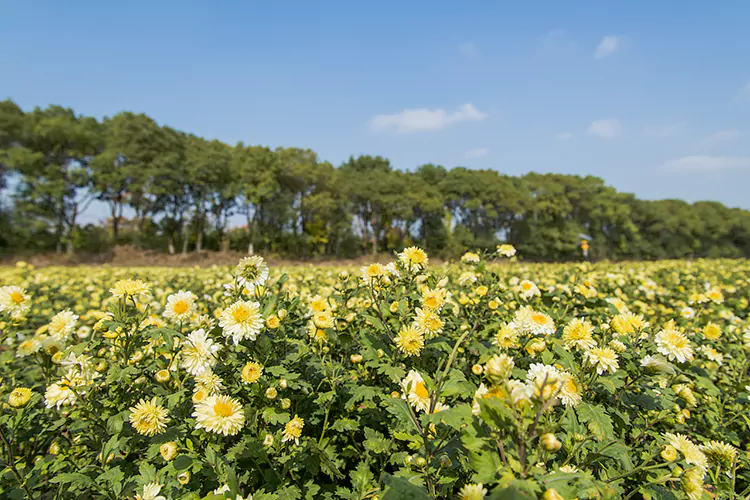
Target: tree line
170,190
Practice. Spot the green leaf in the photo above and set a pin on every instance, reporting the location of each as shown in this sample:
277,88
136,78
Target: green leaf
182,462
597,421
399,488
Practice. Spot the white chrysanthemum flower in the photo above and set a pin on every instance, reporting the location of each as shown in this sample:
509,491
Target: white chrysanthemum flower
413,259
467,278
528,289
579,334
570,391
470,258
220,414
208,382
687,313
604,359
199,352
241,320
180,306
150,492
252,272
372,273
28,347
414,391
472,492
14,301
506,250
520,392
658,364
59,394
478,394
674,344
428,323
692,453
62,325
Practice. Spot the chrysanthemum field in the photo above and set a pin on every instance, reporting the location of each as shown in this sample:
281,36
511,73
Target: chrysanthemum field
485,378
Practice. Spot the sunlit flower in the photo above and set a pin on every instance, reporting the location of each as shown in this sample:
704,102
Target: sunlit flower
414,390
19,397
293,430
138,290
604,359
470,258
506,338
150,492
579,334
14,301
428,323
59,394
413,258
506,250
180,306
148,417
219,414
199,352
673,344
251,272
410,341
209,382
712,331
62,325
472,492
252,372
242,320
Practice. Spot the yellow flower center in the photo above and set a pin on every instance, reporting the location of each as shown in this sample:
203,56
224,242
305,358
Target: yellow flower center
241,314
421,390
538,318
526,286
223,409
181,307
16,297
431,302
373,271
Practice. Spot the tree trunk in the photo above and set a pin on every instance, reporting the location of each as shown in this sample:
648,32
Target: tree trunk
199,240
170,242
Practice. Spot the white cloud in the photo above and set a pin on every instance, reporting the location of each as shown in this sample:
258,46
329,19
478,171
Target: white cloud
719,137
662,131
606,128
706,163
469,49
608,46
563,136
477,152
419,119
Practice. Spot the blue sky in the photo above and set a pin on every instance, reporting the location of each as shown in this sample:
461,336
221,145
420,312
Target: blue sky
654,97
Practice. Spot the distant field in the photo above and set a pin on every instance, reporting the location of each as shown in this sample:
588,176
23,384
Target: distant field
409,379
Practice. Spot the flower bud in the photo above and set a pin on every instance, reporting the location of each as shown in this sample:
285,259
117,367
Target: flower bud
271,393
552,494
669,453
550,442
168,451
184,477
499,368
162,376
282,383
477,370
356,358
19,397
268,440
420,462
286,403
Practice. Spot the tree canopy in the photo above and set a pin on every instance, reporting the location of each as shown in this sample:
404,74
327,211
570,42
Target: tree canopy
174,191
